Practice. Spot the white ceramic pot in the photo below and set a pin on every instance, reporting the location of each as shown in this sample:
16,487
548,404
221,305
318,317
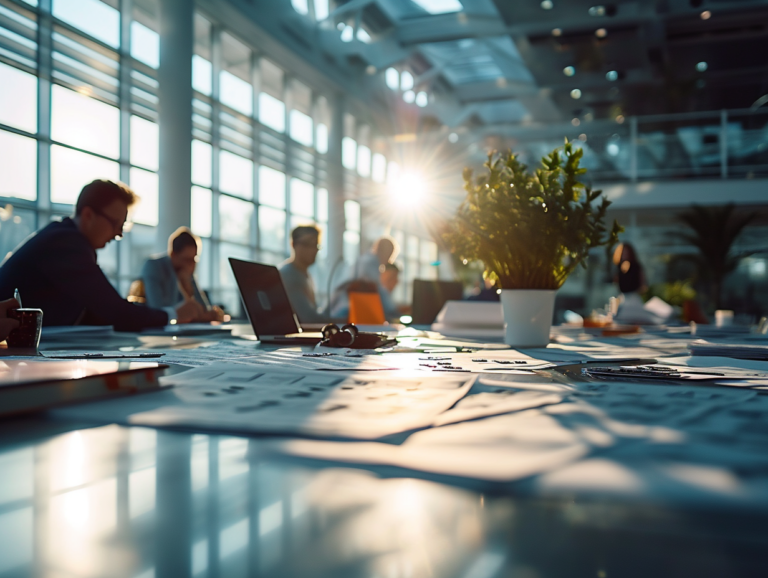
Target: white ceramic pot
527,316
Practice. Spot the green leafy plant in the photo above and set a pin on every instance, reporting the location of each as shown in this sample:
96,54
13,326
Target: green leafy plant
530,230
713,231
673,292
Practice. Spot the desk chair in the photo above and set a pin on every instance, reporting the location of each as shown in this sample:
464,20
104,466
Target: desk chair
365,306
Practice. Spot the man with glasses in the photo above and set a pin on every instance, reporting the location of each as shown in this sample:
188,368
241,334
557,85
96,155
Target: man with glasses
55,269
294,272
169,280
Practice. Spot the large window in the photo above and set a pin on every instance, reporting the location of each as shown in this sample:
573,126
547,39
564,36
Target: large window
259,139
101,119
257,157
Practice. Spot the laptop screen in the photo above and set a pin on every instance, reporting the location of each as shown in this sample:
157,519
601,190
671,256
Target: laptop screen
265,299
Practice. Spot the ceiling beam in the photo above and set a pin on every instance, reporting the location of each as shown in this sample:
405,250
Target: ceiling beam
349,8
448,27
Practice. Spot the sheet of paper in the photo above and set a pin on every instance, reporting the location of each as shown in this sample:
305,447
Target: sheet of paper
498,449
753,350
224,397
716,363
500,401
502,361
654,404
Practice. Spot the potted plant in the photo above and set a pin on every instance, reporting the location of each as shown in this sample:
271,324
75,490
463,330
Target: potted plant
713,231
530,230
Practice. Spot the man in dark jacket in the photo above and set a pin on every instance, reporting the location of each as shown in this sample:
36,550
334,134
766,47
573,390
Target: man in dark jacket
55,269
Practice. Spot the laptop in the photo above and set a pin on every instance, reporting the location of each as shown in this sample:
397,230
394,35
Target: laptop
430,296
267,305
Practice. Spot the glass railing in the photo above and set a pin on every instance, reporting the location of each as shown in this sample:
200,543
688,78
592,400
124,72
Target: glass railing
718,144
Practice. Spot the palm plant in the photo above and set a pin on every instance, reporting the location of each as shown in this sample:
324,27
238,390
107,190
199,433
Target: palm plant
530,230
713,231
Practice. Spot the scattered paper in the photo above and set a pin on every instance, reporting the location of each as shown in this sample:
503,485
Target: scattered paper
498,449
738,350
224,397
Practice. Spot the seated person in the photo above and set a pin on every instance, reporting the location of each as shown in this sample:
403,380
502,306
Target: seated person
631,280
388,280
55,269
629,275
169,280
369,266
484,291
295,274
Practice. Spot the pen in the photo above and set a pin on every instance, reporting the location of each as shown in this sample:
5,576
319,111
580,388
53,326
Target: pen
17,296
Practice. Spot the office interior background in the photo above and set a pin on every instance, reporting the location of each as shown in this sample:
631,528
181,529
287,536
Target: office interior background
245,118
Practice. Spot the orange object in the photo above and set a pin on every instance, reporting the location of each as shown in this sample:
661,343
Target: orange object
596,322
365,308
620,330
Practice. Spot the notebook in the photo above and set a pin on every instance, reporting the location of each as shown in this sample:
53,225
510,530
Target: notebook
29,385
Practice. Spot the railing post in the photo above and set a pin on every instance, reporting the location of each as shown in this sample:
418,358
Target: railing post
633,149
724,144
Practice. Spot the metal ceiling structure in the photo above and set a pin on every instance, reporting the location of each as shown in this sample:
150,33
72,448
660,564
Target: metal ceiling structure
491,73
502,61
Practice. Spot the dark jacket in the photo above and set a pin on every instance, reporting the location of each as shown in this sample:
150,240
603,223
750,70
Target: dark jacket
55,270
161,286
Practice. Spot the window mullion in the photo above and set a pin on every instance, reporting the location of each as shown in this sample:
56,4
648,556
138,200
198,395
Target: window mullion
216,64
44,74
124,103
256,152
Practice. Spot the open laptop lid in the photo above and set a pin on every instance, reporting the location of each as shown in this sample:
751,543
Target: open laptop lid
429,297
265,299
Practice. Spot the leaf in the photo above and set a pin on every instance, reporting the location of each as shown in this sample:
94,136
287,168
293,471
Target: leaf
530,229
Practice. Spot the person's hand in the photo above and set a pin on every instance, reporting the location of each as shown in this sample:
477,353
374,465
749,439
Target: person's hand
7,324
188,311
215,313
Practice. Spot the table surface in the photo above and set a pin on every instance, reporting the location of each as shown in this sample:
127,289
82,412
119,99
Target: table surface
78,500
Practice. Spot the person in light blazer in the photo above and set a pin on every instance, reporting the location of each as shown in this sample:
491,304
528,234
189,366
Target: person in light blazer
170,279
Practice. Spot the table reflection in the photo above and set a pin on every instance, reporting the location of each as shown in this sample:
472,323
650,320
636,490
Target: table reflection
135,502
139,503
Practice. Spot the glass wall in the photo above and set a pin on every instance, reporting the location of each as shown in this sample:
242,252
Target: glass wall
258,150
257,159
96,118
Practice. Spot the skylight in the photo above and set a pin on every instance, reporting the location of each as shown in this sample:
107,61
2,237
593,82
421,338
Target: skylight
440,6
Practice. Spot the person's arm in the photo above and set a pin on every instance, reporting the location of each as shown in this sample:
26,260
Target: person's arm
156,285
80,280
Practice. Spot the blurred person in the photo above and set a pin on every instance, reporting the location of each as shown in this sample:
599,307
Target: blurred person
631,281
629,275
370,265
6,323
390,277
484,290
169,280
388,280
305,243
55,269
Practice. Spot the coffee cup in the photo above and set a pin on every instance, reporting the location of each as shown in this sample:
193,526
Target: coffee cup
27,334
